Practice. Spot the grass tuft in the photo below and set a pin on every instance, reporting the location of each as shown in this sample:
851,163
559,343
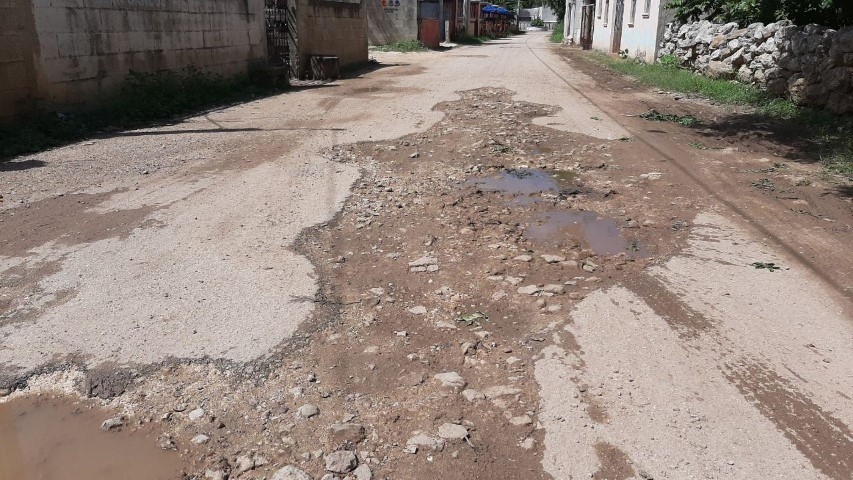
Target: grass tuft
404,46
831,135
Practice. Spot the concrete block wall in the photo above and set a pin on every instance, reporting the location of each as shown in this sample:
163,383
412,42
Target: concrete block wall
331,27
17,43
83,49
390,21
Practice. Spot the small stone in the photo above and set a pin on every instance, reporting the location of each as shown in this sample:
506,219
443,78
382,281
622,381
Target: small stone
528,443
215,475
342,461
290,473
577,295
362,472
329,476
473,395
529,290
112,423
415,155
554,288
553,258
523,258
500,391
196,414
451,431
5,392
422,440
521,420
553,308
243,464
451,380
378,291
588,267
308,410
513,280
498,295
418,310
424,262
346,432
200,439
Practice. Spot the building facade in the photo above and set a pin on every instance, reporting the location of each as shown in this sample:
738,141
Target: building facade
634,27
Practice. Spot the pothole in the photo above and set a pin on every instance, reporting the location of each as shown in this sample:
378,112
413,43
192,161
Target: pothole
526,185
601,235
58,439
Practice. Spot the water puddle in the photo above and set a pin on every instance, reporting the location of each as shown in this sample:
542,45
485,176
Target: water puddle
525,184
53,439
602,235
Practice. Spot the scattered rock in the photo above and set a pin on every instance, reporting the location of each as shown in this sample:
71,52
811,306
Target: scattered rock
342,461
500,391
472,395
521,420
308,410
422,440
362,472
290,473
451,380
112,423
553,258
196,415
523,258
346,432
200,439
554,288
418,310
215,475
451,431
529,290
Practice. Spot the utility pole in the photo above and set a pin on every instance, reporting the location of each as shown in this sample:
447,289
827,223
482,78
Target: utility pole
567,16
441,21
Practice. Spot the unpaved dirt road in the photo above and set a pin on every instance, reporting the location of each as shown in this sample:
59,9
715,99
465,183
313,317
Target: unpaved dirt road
477,263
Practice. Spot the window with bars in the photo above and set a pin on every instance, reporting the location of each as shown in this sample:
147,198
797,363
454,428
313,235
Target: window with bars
606,11
647,8
633,13
598,8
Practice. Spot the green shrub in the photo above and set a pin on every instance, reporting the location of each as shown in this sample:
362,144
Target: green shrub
669,61
557,34
537,22
402,46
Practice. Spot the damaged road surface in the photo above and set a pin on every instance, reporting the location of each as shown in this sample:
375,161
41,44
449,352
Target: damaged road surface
460,265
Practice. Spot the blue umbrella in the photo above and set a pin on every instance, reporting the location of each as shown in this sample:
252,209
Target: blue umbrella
490,9
502,11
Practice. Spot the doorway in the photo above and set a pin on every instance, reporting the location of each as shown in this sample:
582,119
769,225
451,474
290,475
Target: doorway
618,15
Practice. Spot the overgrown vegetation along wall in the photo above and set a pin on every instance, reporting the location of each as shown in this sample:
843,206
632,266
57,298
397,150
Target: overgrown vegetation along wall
78,50
811,65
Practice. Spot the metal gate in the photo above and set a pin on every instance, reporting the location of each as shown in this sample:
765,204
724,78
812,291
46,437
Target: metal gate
587,13
281,35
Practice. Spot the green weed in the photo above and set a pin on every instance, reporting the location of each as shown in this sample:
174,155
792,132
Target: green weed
404,46
557,34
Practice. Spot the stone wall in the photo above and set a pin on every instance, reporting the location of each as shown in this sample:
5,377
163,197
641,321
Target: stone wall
82,49
390,21
811,65
334,28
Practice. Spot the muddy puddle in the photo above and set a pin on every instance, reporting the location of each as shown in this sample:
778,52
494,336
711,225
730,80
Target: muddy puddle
601,235
55,439
526,185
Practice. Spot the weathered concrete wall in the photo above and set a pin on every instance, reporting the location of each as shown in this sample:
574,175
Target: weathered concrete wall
17,45
639,32
811,65
85,48
390,21
331,27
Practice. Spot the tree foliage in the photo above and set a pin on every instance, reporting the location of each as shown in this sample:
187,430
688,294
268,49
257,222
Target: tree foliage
830,13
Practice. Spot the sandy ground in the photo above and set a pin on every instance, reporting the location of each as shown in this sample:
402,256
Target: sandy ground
328,246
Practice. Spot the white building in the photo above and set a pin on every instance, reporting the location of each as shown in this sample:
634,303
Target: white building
633,25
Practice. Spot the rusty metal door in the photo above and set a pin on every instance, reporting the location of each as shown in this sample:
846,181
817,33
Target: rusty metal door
281,34
618,13
587,13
